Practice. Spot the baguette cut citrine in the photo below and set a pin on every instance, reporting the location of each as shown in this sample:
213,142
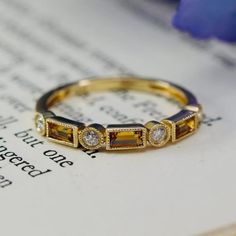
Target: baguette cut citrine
130,137
60,132
126,139
185,127
182,124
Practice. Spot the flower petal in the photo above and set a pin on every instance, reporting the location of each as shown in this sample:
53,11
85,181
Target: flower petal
207,18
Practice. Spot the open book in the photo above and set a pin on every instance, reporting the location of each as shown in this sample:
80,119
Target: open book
183,189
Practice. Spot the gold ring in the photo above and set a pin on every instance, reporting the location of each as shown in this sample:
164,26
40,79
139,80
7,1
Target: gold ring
118,136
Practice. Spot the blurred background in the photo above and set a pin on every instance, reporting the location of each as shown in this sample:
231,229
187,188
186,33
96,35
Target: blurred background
185,189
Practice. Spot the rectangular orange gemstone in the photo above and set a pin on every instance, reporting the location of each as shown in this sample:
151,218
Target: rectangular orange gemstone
121,137
64,131
185,127
60,132
183,124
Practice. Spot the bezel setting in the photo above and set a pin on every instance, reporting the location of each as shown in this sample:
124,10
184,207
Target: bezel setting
66,126
40,120
176,121
132,129
96,132
124,136
163,140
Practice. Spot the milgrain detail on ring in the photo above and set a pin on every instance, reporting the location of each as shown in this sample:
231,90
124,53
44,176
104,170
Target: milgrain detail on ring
123,137
118,137
198,109
92,137
40,121
183,124
61,132
158,133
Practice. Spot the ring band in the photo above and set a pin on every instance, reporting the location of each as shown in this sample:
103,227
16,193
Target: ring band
118,136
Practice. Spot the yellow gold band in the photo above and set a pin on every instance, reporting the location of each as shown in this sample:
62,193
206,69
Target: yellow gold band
118,136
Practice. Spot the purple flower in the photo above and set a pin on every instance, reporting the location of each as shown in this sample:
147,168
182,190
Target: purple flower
207,18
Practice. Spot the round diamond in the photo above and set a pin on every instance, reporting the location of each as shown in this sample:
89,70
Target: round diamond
40,123
91,138
159,134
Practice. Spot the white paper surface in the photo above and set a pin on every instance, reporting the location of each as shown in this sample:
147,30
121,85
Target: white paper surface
184,189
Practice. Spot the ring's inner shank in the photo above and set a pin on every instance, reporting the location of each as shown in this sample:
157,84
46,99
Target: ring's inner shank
160,87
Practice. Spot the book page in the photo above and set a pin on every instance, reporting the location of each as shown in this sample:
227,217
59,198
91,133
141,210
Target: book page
184,189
